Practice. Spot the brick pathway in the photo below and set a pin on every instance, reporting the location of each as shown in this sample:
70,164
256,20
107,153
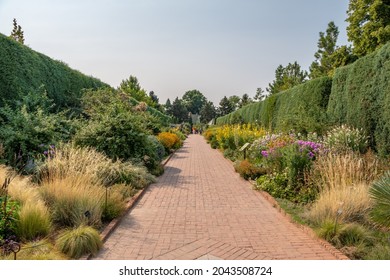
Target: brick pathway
201,209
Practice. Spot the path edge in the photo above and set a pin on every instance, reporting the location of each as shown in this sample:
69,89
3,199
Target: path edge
129,206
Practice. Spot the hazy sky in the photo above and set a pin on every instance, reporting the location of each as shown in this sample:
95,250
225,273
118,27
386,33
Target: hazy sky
220,47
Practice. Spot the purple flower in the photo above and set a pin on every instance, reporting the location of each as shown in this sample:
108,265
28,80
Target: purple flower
264,153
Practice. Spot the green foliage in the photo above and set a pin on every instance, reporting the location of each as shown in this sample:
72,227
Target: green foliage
79,241
329,56
369,25
17,33
23,70
194,101
249,171
207,112
9,214
287,77
302,108
179,111
114,206
276,184
360,98
380,192
28,130
225,107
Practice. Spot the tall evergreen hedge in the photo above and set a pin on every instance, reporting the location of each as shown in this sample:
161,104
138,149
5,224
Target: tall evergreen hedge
361,97
23,70
302,108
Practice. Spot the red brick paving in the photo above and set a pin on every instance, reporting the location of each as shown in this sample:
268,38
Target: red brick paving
201,209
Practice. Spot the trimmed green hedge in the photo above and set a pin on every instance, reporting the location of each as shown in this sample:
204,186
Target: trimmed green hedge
23,70
302,108
358,95
361,97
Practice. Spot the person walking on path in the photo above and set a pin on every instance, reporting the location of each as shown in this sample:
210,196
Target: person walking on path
201,209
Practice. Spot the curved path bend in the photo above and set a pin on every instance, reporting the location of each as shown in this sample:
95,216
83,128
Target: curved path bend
201,209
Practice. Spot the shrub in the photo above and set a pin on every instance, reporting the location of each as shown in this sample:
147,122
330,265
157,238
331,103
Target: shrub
34,221
79,241
344,139
380,192
248,170
117,135
276,184
169,140
26,130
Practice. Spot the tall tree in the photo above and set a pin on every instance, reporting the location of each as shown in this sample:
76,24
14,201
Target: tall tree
179,111
245,100
259,94
132,87
17,33
168,107
234,101
369,25
225,107
208,112
287,77
194,101
323,63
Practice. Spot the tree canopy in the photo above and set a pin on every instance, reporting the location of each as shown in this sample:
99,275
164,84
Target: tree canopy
194,101
369,25
287,77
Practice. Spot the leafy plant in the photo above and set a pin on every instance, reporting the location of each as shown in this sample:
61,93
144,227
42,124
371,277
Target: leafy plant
248,170
79,241
380,192
344,138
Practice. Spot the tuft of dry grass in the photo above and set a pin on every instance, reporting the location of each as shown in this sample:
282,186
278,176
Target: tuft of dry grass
34,220
74,161
74,200
344,181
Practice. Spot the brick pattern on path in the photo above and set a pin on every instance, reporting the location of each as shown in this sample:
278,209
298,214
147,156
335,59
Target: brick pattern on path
201,209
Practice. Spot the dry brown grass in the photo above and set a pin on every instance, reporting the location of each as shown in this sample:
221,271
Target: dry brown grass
21,188
343,181
72,161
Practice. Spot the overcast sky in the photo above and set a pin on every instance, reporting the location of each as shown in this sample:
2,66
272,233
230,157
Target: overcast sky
220,47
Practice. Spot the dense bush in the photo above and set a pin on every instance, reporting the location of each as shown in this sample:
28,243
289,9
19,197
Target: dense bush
169,140
27,131
249,171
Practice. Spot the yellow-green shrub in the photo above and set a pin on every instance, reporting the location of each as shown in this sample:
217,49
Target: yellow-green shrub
169,140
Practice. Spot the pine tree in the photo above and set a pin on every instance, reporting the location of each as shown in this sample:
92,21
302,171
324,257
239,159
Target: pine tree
17,33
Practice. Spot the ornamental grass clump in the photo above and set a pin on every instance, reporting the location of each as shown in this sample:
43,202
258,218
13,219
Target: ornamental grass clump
79,241
75,161
343,181
74,201
34,221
